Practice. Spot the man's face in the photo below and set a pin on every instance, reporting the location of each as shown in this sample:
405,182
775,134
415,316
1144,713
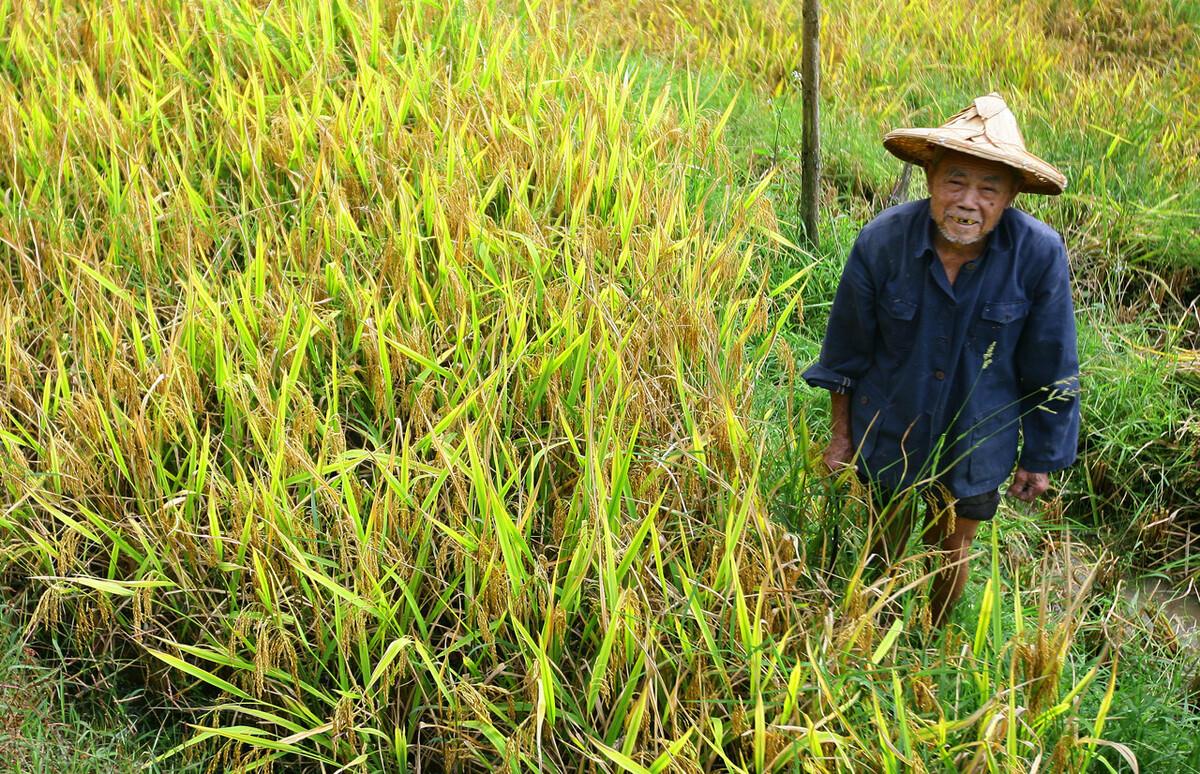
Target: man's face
967,196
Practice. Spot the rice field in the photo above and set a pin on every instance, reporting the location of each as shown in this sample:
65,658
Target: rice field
380,383
1107,89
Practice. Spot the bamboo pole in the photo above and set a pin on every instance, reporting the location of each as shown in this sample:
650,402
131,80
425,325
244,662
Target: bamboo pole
810,146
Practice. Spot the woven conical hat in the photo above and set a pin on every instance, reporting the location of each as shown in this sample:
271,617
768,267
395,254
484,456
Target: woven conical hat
986,129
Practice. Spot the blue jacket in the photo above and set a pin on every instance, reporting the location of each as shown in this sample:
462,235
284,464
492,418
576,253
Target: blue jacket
944,379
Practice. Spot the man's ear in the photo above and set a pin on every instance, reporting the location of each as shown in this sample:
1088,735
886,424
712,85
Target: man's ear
1015,183
1016,189
931,165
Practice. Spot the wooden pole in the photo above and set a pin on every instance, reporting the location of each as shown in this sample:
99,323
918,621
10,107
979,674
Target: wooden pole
810,146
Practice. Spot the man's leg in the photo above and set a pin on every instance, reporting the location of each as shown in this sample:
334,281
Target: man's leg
950,528
891,523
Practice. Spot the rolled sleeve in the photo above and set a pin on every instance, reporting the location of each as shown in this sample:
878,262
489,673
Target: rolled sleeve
849,343
1048,371
817,375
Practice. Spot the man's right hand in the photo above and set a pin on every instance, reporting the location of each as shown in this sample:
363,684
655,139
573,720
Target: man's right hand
840,450
838,454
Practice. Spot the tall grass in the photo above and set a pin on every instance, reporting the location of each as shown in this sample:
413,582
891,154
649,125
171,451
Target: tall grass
376,380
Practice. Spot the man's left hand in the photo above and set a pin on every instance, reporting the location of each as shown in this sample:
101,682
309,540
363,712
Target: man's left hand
1028,486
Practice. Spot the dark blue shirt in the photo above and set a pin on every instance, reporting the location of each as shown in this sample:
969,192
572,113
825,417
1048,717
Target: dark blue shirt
944,380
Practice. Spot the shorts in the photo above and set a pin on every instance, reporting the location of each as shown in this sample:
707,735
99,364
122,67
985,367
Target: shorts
980,507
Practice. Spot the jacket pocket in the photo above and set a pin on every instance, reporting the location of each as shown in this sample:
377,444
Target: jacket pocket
999,326
898,319
899,308
993,446
868,409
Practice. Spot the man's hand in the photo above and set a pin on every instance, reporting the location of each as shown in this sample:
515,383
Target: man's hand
1027,486
838,454
840,450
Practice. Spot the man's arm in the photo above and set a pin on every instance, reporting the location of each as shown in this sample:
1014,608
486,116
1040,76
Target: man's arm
846,353
849,345
1048,369
840,450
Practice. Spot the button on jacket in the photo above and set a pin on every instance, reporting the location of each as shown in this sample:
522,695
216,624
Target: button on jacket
945,380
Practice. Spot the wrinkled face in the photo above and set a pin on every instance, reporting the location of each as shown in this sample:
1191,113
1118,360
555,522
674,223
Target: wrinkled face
967,196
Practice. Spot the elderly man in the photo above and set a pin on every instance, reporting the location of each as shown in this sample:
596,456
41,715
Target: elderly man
951,342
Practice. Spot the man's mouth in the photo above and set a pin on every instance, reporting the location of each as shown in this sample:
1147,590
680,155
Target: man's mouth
963,221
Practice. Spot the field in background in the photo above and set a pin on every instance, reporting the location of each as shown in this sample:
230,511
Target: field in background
392,385
1104,88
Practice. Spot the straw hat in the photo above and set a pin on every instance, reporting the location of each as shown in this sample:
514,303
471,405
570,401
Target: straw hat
986,129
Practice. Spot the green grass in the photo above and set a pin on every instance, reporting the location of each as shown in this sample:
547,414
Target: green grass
51,722
1140,440
1154,711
